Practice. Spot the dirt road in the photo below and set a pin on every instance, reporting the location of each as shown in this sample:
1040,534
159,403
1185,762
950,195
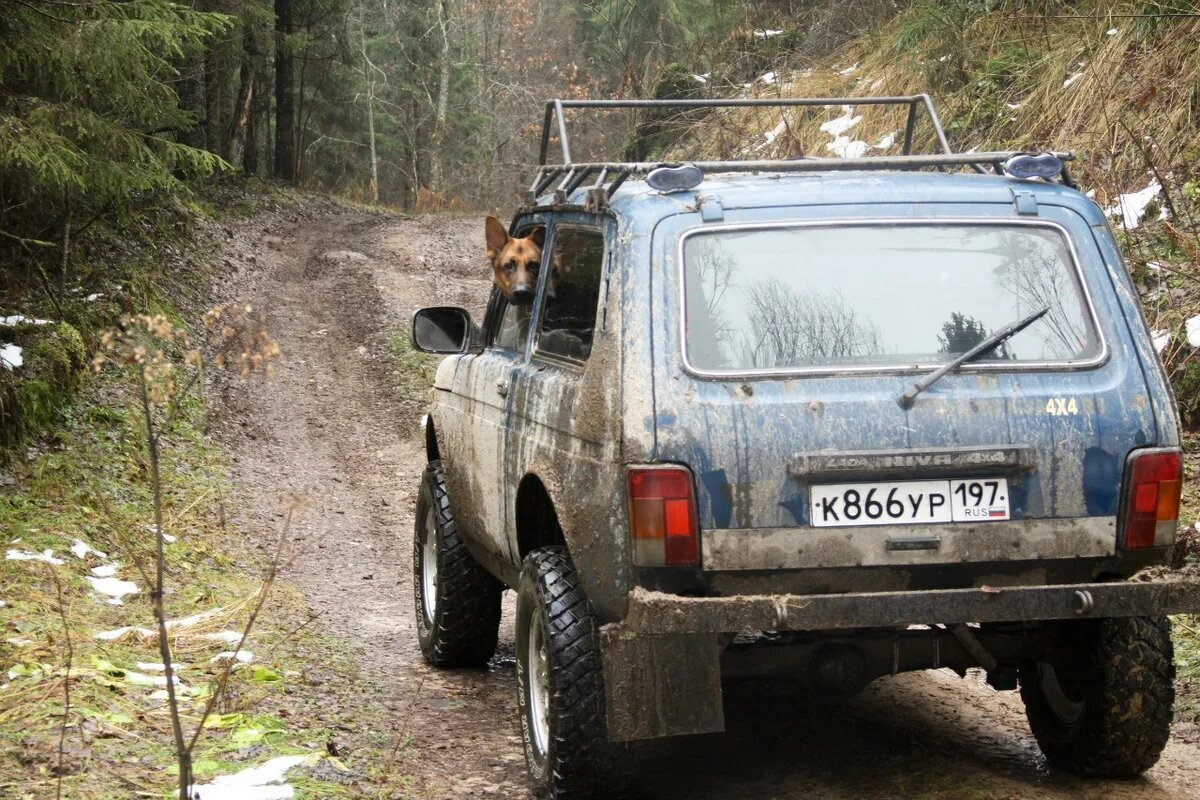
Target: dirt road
336,427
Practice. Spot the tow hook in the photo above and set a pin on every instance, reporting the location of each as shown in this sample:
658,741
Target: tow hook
1082,603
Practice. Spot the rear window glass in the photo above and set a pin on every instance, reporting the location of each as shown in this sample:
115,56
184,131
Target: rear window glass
880,295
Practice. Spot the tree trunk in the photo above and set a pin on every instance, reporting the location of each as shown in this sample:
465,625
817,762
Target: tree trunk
285,95
437,140
241,131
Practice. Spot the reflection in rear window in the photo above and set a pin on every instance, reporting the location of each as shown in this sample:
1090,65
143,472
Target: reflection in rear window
880,295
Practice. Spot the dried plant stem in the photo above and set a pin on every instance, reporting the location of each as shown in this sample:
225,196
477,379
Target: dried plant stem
182,752
62,728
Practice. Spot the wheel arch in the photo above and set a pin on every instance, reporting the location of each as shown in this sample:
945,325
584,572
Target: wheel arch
432,451
537,523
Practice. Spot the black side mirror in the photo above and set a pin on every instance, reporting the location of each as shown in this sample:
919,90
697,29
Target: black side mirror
443,330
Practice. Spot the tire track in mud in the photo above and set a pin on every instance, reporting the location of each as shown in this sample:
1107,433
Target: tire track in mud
334,427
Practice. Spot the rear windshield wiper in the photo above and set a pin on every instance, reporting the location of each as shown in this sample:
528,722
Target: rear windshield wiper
992,342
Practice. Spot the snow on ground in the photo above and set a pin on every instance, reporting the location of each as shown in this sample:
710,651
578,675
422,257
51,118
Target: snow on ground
1160,338
1193,331
837,127
11,356
1131,207
114,588
46,556
13,320
1070,80
264,782
80,549
766,34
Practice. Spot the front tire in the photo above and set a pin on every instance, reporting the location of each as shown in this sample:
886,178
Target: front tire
457,601
560,687
1104,709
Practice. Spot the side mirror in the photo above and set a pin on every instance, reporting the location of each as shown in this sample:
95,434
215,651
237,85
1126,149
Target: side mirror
443,330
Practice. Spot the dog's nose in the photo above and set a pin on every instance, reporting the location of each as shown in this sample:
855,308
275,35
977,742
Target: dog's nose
522,296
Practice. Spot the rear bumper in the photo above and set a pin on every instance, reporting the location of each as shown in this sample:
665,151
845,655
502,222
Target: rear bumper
662,663
655,613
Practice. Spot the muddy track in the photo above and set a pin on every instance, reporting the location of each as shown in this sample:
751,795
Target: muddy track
335,428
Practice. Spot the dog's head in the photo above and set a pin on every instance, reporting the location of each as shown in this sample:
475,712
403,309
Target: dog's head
515,262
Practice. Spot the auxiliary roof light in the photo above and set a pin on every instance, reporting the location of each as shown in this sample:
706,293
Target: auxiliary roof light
675,177
1026,166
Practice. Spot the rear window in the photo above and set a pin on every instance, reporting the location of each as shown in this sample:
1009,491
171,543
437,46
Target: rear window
868,296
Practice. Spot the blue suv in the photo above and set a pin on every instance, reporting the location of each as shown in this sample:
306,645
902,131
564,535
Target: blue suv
836,418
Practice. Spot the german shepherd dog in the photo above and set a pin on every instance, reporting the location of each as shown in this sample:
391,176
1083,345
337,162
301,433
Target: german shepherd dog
515,262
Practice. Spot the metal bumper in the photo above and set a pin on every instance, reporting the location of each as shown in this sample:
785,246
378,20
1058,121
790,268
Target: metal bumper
655,613
662,669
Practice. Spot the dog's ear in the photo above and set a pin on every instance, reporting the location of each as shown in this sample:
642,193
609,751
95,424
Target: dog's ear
538,237
497,236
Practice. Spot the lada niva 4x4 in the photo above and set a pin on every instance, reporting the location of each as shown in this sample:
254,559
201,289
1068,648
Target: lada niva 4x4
832,418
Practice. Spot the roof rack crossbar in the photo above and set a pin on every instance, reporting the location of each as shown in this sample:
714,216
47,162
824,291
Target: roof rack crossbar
555,113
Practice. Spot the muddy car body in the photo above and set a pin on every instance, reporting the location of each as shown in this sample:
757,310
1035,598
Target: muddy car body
727,499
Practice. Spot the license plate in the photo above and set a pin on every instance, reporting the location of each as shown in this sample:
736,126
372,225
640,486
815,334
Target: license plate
909,502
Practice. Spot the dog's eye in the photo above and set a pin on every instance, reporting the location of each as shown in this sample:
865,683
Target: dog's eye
510,266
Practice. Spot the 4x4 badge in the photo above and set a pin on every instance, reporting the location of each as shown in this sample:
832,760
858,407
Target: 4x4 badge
1062,407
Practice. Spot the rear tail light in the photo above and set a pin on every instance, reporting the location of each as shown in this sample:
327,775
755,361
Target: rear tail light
662,517
1152,489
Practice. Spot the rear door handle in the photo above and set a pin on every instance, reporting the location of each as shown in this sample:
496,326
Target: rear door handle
502,387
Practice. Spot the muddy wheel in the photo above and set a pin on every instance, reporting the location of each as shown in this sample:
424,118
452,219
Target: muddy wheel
457,601
560,689
1104,710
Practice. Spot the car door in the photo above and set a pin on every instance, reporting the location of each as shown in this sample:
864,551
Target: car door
482,386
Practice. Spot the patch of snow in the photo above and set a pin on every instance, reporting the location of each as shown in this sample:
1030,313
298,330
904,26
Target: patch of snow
887,141
80,549
3,604
229,637
11,356
1090,194
875,84
1154,266
766,34
836,127
1132,207
770,136
113,635
142,679
241,656
18,642
1160,338
264,782
169,539
850,70
944,59
91,298
768,77
115,588
1111,32
46,556
1193,331
1070,80
700,78
1013,106
843,147
146,666
14,320
105,570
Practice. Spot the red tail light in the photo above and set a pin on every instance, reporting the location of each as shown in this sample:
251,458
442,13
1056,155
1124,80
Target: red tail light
1152,489
662,516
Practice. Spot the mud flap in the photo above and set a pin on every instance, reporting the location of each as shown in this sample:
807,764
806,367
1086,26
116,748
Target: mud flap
664,685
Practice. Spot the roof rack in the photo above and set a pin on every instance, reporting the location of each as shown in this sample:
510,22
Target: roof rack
607,176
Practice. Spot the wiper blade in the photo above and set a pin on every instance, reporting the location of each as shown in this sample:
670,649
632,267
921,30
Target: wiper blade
992,342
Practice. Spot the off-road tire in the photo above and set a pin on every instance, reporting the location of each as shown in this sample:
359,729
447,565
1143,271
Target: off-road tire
1124,676
466,617
573,764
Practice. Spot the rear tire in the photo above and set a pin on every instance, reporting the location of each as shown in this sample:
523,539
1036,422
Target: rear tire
560,686
1104,711
457,601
